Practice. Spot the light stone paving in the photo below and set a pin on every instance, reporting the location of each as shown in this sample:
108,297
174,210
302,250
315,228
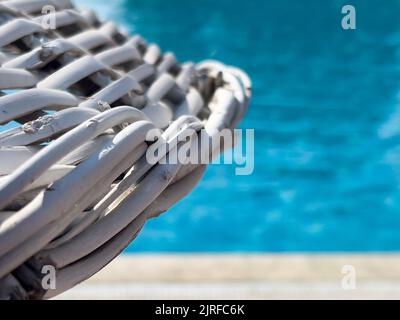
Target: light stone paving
242,277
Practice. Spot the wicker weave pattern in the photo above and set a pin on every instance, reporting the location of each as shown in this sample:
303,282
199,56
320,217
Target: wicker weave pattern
75,186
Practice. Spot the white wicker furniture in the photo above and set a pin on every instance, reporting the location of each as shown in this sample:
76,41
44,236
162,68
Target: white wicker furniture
75,186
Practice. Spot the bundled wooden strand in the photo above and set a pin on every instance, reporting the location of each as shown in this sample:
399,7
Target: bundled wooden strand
75,185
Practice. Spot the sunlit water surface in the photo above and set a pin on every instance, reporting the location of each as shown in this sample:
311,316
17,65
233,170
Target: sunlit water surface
325,113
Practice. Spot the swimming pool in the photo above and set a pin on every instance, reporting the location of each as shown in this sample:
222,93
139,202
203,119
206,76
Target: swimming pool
326,117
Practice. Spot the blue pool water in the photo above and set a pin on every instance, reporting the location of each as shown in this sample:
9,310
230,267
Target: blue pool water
326,117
